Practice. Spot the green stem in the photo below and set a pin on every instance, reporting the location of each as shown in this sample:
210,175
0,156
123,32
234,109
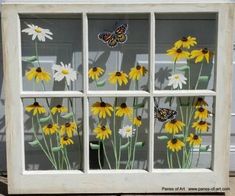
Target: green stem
67,158
114,142
134,148
178,160
171,161
105,154
168,159
200,72
120,152
99,157
199,153
128,154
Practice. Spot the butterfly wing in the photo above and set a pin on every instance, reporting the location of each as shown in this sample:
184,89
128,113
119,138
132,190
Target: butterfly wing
164,114
105,36
120,33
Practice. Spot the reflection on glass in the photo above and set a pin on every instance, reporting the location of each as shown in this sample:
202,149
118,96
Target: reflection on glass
119,128
53,129
183,132
51,53
118,52
185,55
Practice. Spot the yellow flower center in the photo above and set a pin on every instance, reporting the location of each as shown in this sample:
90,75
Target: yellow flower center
177,77
123,105
174,141
178,50
184,39
118,73
65,71
94,69
67,124
49,126
38,30
195,137
128,129
102,104
205,51
39,70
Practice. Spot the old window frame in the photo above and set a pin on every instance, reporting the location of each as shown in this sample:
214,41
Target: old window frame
114,181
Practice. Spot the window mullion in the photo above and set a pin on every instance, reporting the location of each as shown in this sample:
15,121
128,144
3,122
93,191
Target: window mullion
85,99
151,83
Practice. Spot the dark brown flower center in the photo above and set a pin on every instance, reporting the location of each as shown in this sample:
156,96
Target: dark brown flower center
201,109
118,73
39,70
36,104
49,126
94,69
173,121
139,117
102,104
67,124
103,128
65,138
195,137
123,105
205,51
202,123
178,50
59,106
184,39
174,141
200,99
138,67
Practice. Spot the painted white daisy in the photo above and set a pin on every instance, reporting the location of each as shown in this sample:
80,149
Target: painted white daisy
177,80
64,71
126,131
38,32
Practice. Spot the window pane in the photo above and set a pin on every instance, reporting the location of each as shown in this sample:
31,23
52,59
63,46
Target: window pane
183,132
51,53
185,51
119,133
53,133
118,52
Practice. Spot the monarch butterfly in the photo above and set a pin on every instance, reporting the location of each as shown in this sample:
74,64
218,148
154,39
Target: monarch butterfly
115,37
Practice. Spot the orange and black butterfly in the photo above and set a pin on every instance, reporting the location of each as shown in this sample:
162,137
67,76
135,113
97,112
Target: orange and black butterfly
164,114
115,37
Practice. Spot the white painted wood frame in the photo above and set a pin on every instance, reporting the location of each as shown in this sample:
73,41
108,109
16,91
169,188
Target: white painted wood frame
21,181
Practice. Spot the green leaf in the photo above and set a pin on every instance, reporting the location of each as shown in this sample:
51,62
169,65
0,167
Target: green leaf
67,116
94,146
183,68
101,83
178,136
56,149
45,119
163,137
139,144
30,59
123,147
204,148
34,143
140,105
203,79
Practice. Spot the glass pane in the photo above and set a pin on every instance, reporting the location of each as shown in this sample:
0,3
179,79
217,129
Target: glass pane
119,133
184,132
118,52
53,133
51,53
185,51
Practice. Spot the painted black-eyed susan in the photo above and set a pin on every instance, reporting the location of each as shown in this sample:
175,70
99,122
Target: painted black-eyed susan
186,42
201,126
69,128
194,140
137,121
59,109
123,110
39,74
137,72
36,108
95,73
174,126
200,55
118,77
175,145
201,113
178,53
65,141
200,103
50,129
102,109
102,132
